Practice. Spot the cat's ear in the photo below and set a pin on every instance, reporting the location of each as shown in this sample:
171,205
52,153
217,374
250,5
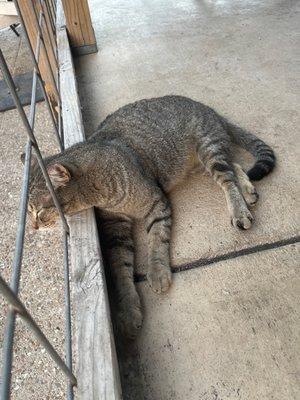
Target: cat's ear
33,160
59,175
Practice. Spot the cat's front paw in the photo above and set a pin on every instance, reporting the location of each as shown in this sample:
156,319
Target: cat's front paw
130,322
159,278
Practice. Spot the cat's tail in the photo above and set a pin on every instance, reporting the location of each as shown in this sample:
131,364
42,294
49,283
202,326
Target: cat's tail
264,155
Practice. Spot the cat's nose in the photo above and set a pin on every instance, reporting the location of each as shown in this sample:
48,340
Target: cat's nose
35,225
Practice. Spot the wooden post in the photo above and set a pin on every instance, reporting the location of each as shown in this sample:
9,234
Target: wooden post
96,366
79,27
30,10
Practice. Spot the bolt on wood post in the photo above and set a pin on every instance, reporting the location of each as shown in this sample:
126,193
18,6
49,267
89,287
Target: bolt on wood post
79,27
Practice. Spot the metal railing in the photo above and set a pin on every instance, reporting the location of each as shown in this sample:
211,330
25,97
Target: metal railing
46,23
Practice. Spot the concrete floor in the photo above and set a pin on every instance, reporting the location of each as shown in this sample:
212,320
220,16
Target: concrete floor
231,330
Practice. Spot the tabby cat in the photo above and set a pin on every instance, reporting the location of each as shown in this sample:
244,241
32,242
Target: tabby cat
128,167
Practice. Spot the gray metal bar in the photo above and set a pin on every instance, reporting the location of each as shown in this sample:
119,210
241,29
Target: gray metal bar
60,128
36,66
7,355
15,279
68,329
24,314
60,121
10,83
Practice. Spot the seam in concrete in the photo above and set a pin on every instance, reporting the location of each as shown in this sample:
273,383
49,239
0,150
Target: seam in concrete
203,262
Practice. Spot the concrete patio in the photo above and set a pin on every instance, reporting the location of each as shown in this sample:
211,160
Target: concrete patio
229,330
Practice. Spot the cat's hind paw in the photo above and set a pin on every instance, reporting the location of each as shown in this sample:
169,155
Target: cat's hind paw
242,220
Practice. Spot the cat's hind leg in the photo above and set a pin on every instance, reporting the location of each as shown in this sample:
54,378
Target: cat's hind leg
248,190
117,240
214,156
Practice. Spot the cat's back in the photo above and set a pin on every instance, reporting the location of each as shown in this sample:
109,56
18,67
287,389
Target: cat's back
160,131
163,115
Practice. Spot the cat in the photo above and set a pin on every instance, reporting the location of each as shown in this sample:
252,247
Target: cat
127,168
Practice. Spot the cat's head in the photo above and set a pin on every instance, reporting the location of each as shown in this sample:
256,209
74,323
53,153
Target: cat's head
41,209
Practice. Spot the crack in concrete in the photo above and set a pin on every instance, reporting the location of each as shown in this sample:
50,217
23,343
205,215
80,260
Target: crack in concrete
203,262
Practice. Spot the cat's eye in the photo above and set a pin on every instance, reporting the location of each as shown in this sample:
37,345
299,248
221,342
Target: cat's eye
40,213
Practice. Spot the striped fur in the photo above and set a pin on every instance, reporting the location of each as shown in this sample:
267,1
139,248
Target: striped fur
128,167
264,155
118,248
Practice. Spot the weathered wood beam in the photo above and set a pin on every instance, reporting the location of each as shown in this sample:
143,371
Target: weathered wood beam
79,27
96,366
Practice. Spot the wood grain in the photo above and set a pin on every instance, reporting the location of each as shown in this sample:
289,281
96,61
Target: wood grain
79,24
96,365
